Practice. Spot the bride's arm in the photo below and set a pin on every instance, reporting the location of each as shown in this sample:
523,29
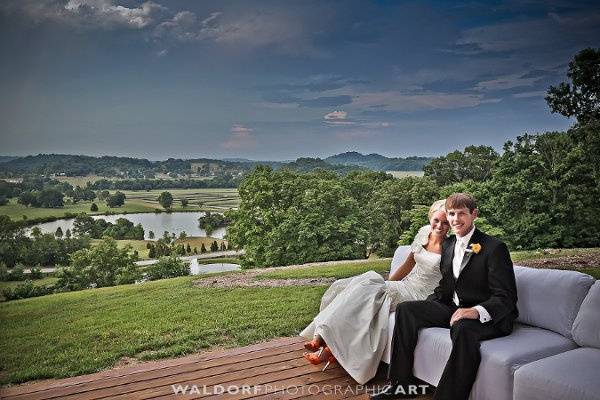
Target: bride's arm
404,269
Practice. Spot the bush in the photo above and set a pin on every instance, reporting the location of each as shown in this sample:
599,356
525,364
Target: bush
94,207
4,275
167,267
36,272
103,265
26,290
16,274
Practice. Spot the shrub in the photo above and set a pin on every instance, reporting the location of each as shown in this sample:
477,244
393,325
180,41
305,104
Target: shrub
17,274
26,290
36,272
4,275
167,267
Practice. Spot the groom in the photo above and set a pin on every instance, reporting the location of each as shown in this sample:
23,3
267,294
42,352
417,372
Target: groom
476,298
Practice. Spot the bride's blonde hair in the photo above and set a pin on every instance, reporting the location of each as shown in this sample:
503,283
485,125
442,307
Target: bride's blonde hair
439,205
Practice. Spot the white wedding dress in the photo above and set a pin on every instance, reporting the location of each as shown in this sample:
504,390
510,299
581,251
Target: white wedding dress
354,312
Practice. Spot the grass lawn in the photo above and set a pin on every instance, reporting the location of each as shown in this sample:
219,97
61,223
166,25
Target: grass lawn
553,253
154,320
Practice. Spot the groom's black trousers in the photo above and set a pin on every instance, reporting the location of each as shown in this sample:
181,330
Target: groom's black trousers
461,370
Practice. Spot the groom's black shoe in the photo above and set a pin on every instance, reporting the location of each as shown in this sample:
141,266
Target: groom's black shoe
399,392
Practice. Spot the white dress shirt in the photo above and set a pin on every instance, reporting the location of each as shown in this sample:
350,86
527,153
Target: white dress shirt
460,248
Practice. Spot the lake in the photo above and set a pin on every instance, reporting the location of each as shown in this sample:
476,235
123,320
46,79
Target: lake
175,222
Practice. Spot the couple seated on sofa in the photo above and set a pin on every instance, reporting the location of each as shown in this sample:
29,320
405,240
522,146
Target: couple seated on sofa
463,282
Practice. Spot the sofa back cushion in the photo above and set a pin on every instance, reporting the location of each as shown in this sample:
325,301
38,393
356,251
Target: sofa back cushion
586,328
550,298
400,256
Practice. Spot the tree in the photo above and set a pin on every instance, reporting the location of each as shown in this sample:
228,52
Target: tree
28,199
150,234
151,251
59,232
581,97
202,249
102,265
165,199
184,203
167,267
288,217
475,163
51,198
94,207
222,247
68,234
3,200
182,235
543,193
103,195
188,249
36,232
115,200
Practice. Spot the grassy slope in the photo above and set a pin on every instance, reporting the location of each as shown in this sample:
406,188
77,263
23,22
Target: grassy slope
154,320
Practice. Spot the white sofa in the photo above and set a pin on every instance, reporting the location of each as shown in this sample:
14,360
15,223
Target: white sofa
552,353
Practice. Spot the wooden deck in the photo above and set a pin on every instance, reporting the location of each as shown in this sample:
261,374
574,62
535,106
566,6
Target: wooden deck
271,370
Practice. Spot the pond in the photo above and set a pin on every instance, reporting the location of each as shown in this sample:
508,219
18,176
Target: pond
175,222
197,269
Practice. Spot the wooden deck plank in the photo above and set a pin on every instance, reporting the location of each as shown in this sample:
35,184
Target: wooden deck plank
273,370
157,387
125,372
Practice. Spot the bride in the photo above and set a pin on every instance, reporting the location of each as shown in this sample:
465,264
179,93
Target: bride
352,325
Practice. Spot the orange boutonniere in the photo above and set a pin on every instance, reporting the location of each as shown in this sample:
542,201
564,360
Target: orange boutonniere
475,248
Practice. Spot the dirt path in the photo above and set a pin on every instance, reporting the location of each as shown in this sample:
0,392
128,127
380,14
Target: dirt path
248,278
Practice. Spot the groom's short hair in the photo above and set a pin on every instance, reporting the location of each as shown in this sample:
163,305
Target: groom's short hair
460,200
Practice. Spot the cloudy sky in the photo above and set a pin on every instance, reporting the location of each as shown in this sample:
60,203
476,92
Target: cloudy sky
281,79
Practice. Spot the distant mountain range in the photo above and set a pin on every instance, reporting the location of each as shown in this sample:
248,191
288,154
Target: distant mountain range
378,162
128,167
7,158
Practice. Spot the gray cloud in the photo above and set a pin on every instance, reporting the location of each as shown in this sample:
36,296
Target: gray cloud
88,14
259,29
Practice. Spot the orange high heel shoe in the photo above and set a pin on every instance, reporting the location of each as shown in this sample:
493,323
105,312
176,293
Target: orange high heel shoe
315,358
330,358
313,345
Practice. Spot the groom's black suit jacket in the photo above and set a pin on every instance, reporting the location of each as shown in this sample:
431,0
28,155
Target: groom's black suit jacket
487,279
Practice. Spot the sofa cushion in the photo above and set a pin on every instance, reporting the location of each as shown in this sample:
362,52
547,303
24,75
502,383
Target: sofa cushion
567,376
400,256
499,357
550,298
586,328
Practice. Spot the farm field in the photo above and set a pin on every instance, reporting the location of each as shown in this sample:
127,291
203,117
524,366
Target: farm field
136,201
211,199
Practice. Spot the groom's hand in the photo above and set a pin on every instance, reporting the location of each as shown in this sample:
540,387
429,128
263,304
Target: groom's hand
464,313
